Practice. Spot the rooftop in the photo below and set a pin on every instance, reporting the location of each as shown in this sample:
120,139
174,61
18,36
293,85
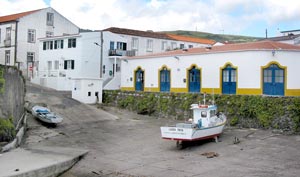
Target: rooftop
158,35
260,45
14,17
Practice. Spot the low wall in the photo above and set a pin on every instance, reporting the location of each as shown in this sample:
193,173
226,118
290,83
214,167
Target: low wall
281,113
12,96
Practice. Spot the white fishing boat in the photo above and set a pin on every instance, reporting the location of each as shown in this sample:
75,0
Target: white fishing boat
45,115
206,123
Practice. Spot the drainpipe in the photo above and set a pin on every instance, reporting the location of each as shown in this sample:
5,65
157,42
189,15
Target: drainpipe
16,38
101,53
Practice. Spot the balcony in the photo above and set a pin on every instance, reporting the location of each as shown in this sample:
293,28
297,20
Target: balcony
7,42
118,52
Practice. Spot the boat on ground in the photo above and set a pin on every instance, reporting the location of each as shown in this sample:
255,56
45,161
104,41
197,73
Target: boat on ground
206,123
45,115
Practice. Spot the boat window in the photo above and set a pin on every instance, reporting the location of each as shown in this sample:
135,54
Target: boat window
203,113
212,113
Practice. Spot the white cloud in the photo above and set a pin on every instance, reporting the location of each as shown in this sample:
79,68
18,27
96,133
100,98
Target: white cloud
16,6
232,16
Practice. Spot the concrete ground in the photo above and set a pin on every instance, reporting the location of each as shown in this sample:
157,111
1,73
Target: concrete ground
122,143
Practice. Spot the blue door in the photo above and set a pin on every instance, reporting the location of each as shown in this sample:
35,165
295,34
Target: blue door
139,80
273,80
164,80
229,80
194,80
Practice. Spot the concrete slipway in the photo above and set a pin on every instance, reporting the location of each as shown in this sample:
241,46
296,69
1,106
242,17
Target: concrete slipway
38,161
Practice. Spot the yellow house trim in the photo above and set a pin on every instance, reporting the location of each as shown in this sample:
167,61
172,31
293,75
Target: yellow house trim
221,75
151,89
262,75
211,90
188,76
127,88
134,80
179,90
160,69
248,91
292,92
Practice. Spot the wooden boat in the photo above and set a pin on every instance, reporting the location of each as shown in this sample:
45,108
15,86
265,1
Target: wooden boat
206,123
45,115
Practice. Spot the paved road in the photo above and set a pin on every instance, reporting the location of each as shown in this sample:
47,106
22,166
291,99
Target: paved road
122,143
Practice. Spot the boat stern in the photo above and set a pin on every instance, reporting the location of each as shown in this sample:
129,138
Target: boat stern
176,133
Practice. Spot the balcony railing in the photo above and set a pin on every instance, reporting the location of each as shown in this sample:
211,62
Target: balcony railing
118,52
7,42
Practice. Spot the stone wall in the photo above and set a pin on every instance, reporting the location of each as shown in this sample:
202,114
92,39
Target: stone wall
280,113
12,93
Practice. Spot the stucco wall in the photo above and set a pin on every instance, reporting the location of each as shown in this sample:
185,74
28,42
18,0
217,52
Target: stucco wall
12,93
248,63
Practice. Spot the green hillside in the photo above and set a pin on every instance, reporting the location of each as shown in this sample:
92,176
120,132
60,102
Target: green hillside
215,37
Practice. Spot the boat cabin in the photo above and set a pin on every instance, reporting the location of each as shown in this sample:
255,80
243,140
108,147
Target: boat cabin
204,115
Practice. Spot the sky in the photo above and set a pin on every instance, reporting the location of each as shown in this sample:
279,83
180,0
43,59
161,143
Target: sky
235,17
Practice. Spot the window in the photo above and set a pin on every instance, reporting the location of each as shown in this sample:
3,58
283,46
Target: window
278,76
49,34
191,46
112,45
89,94
181,46
135,43
31,36
50,19
58,44
203,114
56,64
268,76
47,45
72,43
121,45
173,45
7,56
49,65
164,45
69,64
30,56
8,33
149,45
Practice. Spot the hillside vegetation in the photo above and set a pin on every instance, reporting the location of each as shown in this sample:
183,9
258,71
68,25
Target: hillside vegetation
215,37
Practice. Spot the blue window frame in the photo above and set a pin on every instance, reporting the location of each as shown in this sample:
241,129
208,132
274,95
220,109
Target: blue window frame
164,80
229,80
139,80
273,80
194,80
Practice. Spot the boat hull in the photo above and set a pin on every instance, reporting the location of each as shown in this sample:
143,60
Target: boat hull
191,134
44,115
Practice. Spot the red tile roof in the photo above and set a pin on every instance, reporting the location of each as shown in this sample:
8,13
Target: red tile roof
191,39
14,17
260,45
158,35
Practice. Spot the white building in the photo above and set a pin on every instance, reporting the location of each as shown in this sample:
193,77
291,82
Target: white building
78,58
63,58
19,34
256,68
120,42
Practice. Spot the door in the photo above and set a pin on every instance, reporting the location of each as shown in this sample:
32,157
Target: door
194,80
139,80
273,77
229,80
164,80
